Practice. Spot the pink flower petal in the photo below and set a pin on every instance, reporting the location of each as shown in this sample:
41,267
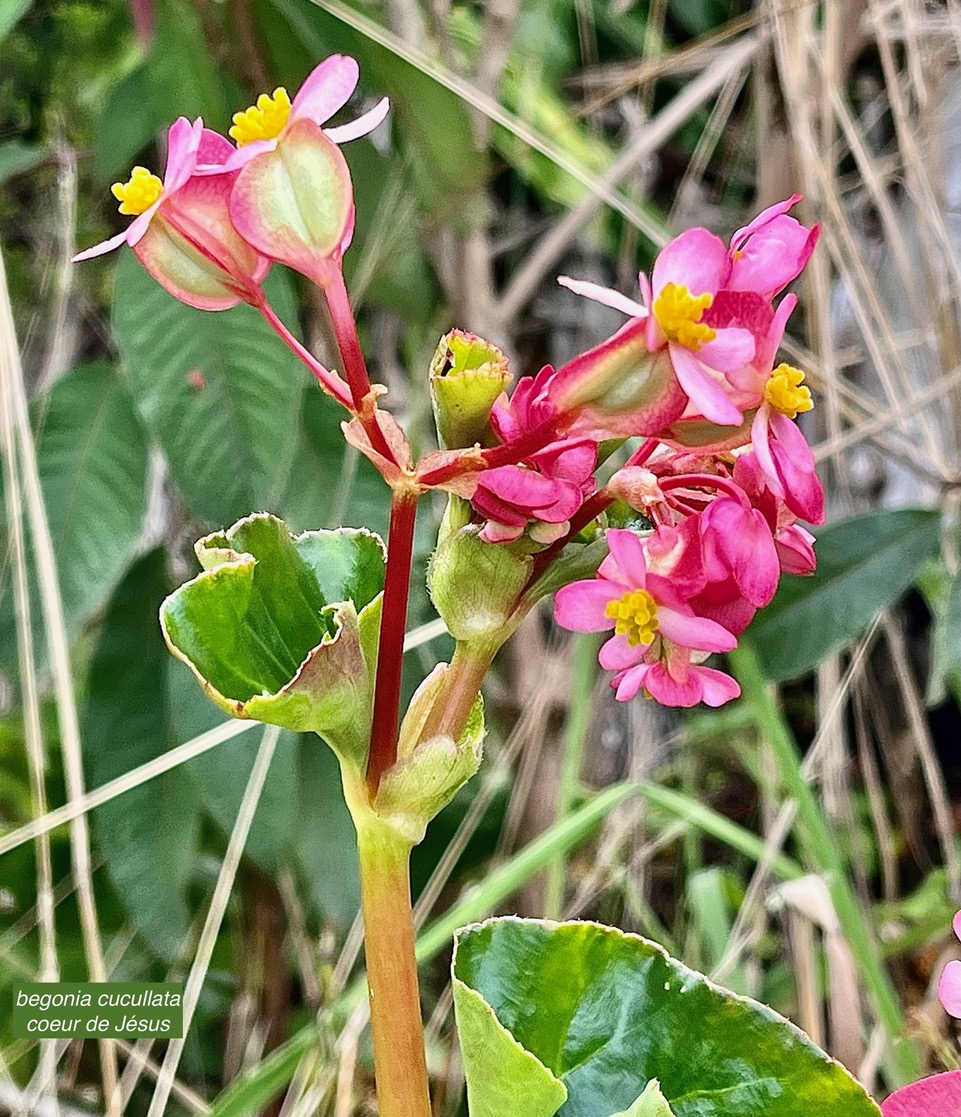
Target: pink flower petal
628,683
769,344
762,219
701,387
627,558
716,687
773,256
949,989
697,633
605,295
137,227
937,1096
326,89
364,124
183,143
617,654
493,532
795,551
670,691
695,260
580,606
956,924
214,149
730,350
101,249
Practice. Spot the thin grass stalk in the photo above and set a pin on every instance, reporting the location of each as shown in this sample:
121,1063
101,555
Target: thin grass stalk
583,670
56,632
215,915
49,963
823,852
196,746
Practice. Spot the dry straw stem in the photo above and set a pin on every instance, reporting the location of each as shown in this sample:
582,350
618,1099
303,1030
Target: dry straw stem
49,963
215,915
56,634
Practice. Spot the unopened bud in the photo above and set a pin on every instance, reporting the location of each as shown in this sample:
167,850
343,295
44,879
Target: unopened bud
467,374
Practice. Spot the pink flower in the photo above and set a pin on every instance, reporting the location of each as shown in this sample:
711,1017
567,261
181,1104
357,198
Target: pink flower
937,1096
293,199
949,987
770,252
687,275
326,89
181,231
547,488
548,485
657,636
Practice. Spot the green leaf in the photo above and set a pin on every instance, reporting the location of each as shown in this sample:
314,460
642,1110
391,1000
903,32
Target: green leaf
651,1103
282,629
502,1077
93,469
606,1012
942,592
148,837
864,565
217,389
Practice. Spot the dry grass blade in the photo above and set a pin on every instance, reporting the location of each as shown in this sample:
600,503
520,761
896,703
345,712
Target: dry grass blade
215,914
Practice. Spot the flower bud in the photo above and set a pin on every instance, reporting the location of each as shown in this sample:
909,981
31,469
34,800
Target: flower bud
467,374
475,586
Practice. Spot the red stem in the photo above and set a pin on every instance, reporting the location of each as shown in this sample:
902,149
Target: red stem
355,367
329,381
390,653
704,481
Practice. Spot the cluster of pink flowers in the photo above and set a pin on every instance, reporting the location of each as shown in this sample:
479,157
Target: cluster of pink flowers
724,474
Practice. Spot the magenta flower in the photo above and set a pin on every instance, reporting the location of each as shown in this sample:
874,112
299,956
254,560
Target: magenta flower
547,488
770,252
658,640
181,231
949,987
793,543
936,1096
687,276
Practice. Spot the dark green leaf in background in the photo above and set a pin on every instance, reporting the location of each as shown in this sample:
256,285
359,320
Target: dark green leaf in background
864,565
148,836
606,1012
218,390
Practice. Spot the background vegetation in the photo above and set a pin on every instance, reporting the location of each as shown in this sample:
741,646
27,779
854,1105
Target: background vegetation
801,846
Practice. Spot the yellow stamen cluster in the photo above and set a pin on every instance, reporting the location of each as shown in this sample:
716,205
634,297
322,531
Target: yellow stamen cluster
263,121
785,392
139,192
635,616
679,314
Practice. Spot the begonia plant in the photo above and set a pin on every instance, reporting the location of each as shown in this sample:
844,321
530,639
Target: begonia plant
672,555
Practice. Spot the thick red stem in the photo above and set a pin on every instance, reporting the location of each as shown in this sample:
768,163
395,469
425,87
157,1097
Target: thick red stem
390,653
329,381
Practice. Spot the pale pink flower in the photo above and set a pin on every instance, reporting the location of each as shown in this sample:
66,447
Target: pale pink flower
658,640
326,89
181,230
949,987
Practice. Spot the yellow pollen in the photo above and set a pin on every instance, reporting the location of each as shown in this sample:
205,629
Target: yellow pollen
263,121
635,616
139,192
785,392
679,314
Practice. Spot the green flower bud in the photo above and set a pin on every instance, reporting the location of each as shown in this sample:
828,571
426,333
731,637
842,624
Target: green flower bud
466,375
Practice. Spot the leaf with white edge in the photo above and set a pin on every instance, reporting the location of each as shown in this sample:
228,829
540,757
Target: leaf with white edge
218,390
864,565
606,1012
283,628
651,1103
